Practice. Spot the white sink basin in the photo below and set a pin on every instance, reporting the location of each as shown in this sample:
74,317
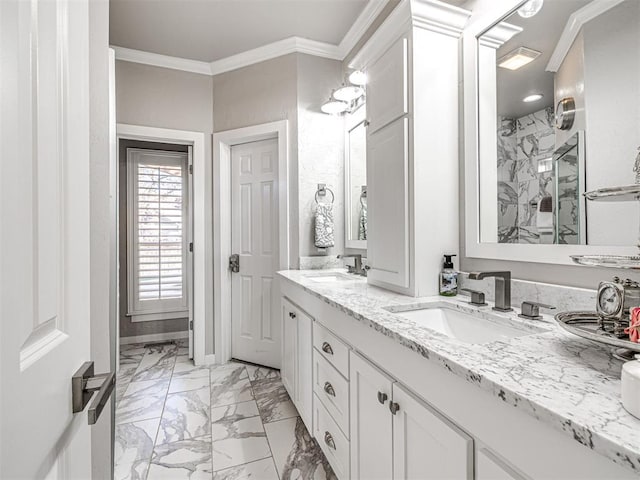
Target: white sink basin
466,327
330,277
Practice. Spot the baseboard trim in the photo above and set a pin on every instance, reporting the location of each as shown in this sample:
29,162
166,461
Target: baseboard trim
154,337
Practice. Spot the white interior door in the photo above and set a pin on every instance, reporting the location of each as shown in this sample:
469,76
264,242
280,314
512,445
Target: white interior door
44,238
255,330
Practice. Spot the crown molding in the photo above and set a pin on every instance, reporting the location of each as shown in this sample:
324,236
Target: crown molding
361,25
439,17
426,14
164,61
273,50
263,53
573,27
499,35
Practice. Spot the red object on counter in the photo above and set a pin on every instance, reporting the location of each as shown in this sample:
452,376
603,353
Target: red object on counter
634,325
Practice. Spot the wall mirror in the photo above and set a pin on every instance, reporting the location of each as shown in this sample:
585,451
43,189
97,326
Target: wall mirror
555,86
356,179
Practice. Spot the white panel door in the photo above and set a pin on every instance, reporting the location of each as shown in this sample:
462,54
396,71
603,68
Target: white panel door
387,88
370,421
425,446
388,197
255,327
44,239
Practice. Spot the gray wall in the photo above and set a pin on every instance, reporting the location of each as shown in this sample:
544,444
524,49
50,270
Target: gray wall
160,97
127,327
292,87
569,275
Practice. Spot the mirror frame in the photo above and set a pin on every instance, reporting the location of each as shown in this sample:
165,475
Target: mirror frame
352,120
479,24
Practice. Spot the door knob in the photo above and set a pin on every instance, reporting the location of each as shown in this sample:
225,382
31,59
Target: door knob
234,263
83,383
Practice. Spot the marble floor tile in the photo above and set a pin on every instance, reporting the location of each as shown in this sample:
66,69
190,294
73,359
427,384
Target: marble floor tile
133,448
235,412
148,387
259,470
257,373
230,386
235,443
273,400
187,377
228,373
155,365
143,404
185,416
295,453
186,459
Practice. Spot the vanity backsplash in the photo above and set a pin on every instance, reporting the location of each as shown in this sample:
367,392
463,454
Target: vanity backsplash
563,298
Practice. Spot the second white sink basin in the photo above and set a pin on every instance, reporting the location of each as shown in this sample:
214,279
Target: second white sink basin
330,277
466,327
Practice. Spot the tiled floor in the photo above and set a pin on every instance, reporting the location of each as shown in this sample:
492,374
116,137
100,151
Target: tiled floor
233,421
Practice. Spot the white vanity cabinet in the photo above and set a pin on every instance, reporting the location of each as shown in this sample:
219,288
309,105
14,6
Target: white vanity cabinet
411,63
396,436
297,356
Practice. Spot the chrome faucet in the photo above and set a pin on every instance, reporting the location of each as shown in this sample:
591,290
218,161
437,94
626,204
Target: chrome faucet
357,266
503,288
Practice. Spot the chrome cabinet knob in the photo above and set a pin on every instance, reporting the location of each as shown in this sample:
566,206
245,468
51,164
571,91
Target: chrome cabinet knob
292,315
382,397
328,439
326,348
394,407
328,388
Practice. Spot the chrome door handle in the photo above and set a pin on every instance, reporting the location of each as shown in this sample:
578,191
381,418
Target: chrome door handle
328,439
382,397
234,263
83,383
328,388
326,348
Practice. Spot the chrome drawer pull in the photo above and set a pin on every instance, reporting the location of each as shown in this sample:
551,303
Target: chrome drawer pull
328,439
382,397
326,348
329,389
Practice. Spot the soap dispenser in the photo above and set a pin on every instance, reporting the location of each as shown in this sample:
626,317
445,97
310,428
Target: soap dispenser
448,278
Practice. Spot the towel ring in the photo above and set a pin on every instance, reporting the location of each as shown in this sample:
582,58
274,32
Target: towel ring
323,192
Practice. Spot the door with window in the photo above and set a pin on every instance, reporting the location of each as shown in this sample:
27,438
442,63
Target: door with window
45,272
255,330
158,235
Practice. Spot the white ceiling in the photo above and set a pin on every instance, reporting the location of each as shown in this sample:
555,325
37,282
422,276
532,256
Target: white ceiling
209,30
540,32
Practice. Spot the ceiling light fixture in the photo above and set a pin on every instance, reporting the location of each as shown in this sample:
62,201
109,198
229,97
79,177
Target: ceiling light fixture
530,8
348,93
358,77
532,98
518,58
334,107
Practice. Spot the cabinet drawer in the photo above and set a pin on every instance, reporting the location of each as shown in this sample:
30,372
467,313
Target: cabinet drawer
331,440
333,391
332,349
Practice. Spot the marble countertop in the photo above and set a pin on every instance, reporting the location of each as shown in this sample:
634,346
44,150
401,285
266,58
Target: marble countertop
560,379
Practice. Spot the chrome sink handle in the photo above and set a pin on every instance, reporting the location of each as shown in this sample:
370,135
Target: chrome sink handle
477,297
531,310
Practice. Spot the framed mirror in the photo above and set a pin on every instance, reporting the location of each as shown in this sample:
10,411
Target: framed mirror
552,110
355,178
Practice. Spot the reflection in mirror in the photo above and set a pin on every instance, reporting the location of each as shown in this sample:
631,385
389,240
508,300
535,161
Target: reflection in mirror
356,180
559,114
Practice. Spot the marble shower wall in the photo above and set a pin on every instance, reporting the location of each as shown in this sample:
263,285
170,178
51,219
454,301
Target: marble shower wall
522,143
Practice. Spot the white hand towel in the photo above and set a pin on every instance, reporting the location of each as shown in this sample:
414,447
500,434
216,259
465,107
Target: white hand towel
324,225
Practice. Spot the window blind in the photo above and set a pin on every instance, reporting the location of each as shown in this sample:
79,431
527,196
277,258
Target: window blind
158,232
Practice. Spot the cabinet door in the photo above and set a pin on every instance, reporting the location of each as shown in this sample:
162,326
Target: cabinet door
387,87
289,346
388,197
304,374
370,421
425,446
489,467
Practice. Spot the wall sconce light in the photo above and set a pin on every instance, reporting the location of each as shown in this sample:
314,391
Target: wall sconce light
334,107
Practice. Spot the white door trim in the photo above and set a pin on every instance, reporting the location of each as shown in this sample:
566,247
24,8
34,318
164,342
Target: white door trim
196,140
222,143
